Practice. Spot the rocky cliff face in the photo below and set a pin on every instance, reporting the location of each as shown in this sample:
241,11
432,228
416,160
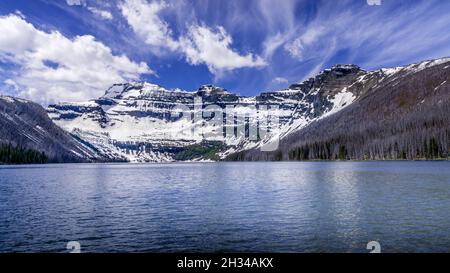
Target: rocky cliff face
136,120
26,124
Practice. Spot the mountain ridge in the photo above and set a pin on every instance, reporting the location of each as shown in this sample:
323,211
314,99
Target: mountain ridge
134,121
147,106
403,116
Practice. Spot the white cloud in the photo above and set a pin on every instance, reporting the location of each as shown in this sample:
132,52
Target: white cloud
20,14
143,17
200,45
203,45
55,68
74,2
102,13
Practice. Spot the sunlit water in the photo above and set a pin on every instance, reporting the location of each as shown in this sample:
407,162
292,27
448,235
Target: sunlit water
226,207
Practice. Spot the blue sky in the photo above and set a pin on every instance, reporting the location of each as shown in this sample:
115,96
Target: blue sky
72,50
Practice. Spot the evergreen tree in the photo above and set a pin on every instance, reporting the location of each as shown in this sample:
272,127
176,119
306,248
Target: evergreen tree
10,154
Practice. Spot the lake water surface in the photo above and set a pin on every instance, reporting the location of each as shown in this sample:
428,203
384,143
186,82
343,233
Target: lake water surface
226,207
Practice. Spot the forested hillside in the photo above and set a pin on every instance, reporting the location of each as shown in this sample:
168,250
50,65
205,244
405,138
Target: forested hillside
26,132
406,116
19,155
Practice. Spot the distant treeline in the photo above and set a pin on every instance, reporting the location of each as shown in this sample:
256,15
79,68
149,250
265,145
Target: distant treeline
419,135
10,154
430,149
206,150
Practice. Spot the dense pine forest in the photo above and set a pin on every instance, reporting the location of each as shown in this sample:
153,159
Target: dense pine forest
10,154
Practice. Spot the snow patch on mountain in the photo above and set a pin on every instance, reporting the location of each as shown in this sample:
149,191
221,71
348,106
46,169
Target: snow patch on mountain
136,121
340,101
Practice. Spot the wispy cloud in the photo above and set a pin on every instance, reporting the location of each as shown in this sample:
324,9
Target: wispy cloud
74,2
279,23
280,80
376,36
305,42
102,13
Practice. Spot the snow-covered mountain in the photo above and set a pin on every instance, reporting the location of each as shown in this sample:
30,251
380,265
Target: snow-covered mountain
138,121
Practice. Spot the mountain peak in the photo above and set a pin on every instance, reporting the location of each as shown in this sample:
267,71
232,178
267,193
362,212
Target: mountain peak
210,89
343,69
336,71
345,66
120,89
